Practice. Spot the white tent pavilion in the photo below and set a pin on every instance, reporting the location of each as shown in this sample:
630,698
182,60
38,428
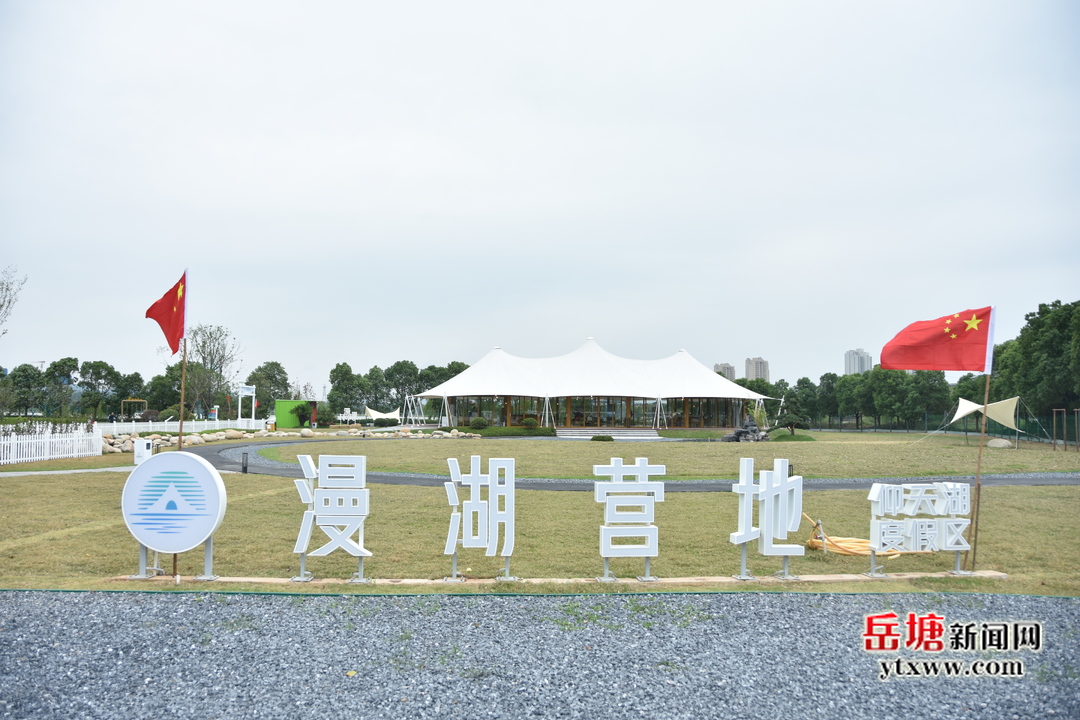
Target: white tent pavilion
589,387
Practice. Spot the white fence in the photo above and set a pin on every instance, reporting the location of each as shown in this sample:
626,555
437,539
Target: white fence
173,426
31,448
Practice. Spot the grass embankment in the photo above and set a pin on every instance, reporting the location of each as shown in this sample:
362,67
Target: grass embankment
832,455
66,531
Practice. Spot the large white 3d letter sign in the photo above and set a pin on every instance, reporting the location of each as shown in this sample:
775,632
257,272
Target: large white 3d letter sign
629,511
482,518
944,501
339,507
779,501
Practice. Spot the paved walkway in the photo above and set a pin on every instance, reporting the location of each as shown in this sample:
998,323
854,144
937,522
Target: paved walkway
228,459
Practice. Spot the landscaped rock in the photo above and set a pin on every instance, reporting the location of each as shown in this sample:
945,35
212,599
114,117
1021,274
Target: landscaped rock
128,446
306,433
234,435
998,443
107,448
342,432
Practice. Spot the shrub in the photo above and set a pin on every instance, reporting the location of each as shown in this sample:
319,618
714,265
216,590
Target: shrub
173,411
302,413
385,422
478,423
529,423
149,416
603,438
324,416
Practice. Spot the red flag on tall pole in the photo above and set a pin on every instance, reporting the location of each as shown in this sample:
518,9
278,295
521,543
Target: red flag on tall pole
961,341
169,313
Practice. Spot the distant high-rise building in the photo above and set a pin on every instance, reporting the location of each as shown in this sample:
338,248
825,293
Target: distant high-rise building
725,369
857,361
757,368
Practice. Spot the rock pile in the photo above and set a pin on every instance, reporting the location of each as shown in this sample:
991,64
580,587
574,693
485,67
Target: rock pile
126,443
749,432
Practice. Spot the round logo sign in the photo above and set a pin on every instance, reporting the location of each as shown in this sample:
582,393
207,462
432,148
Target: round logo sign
173,502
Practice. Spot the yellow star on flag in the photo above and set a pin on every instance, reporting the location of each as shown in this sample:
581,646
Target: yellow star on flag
973,323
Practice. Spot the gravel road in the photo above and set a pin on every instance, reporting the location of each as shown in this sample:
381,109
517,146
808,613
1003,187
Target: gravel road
735,655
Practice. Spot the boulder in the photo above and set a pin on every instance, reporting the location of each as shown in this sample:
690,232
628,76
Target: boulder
998,443
306,433
106,436
128,446
155,436
107,448
234,435
342,432
134,436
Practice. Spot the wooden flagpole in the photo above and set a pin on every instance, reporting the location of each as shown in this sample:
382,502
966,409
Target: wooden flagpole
183,382
978,479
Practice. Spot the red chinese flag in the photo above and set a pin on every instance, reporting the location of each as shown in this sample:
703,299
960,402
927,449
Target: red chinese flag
962,341
169,313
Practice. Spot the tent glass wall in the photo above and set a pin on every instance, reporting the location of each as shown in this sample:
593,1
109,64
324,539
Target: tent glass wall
599,412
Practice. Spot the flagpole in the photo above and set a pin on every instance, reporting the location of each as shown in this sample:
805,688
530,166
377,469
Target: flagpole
183,382
978,477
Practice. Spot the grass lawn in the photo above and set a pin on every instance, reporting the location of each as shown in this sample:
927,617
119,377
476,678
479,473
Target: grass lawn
66,531
831,455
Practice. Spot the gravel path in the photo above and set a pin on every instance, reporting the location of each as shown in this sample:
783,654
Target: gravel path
739,655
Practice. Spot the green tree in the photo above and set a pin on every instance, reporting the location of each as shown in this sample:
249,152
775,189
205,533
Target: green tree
970,387
378,395
98,380
347,389
806,393
28,384
792,414
888,390
164,390
129,386
927,393
59,385
403,379
826,395
1042,365
850,397
271,384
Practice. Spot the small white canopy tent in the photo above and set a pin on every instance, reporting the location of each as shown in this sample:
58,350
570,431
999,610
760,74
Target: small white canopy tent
588,371
1003,411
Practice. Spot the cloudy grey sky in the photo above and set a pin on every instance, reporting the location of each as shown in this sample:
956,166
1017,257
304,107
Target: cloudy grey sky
369,182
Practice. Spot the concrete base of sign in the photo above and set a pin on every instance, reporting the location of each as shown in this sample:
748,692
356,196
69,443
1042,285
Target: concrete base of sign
684,581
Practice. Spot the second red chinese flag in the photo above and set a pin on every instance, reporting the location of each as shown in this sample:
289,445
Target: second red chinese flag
961,341
169,313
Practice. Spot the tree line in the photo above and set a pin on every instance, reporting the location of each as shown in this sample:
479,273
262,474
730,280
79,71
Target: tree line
1041,365
95,389
384,390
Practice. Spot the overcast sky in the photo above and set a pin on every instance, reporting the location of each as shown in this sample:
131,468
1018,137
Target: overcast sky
370,182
